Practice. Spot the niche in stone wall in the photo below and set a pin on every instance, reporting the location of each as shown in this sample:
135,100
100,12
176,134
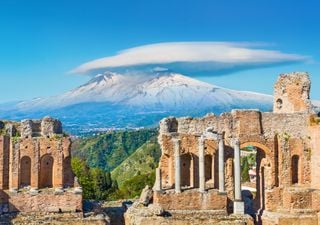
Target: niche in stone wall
208,167
186,169
295,169
279,103
46,171
25,171
68,176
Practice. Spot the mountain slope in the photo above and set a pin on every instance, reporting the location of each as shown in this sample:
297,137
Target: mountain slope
113,100
143,161
106,151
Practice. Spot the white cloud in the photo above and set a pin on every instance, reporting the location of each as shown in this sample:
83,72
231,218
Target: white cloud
197,56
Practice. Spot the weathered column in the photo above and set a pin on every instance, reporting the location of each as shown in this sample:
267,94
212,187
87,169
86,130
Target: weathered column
58,168
213,173
158,186
202,178
4,162
177,166
221,163
238,203
35,165
14,166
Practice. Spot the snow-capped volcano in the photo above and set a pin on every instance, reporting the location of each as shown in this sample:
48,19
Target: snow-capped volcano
163,91
117,100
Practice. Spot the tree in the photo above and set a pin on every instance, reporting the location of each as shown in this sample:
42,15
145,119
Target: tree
99,182
245,170
82,171
96,183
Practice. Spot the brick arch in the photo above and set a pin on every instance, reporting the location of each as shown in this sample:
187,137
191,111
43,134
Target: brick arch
25,171
46,171
266,150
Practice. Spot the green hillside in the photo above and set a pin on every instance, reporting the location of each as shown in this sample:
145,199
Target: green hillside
108,150
142,162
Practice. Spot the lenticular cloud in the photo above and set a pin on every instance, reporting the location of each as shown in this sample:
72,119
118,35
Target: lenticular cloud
207,57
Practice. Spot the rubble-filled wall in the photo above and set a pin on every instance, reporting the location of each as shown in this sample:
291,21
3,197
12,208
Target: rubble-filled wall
291,93
35,167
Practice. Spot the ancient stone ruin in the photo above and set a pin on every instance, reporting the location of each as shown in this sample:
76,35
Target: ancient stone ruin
198,179
35,168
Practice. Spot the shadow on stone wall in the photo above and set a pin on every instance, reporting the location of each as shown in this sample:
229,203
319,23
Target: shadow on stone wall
5,216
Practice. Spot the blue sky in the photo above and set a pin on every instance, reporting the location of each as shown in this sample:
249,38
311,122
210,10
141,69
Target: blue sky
40,41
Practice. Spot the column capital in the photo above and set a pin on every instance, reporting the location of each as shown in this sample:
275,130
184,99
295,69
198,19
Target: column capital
235,141
220,136
202,138
175,140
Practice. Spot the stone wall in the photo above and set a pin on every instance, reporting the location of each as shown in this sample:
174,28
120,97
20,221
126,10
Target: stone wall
35,168
40,151
44,201
191,199
291,93
146,216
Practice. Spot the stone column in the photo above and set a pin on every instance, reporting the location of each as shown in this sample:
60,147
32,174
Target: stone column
221,163
35,166
14,166
202,178
58,167
213,173
238,203
158,186
177,166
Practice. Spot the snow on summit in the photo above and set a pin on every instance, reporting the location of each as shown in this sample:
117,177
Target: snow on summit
115,100
163,90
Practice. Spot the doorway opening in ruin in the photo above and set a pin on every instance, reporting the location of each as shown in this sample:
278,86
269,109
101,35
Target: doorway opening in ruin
25,171
189,171
46,171
253,160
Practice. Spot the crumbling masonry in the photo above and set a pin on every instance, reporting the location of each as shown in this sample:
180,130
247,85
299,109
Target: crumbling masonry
200,164
35,168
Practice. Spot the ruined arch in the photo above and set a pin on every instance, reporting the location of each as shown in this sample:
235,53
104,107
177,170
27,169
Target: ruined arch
46,171
25,171
263,175
257,145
